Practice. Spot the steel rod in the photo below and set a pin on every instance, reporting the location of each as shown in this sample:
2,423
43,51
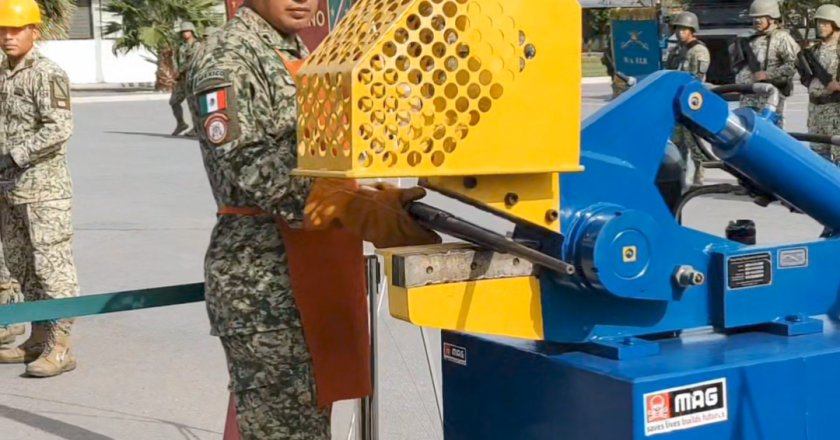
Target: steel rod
449,224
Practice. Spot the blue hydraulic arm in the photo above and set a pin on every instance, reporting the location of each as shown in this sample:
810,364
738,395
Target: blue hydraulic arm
639,272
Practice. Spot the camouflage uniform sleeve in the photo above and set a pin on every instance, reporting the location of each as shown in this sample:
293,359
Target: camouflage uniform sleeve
698,62
51,90
785,50
254,144
183,53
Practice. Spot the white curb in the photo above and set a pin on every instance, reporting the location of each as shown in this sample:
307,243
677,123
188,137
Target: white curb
121,98
596,80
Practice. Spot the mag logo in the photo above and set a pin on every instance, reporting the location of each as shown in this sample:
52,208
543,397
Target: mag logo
454,353
685,407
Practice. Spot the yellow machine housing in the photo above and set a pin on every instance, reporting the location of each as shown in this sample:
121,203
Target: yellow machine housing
448,88
477,98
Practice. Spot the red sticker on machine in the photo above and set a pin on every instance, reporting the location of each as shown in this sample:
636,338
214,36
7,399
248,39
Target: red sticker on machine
685,407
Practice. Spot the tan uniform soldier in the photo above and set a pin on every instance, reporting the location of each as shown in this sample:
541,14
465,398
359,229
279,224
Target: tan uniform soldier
689,55
9,287
824,99
775,55
35,187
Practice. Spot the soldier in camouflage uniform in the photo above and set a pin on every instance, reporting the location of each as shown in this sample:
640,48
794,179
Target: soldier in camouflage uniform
9,287
182,62
775,50
618,85
246,102
35,187
689,55
824,99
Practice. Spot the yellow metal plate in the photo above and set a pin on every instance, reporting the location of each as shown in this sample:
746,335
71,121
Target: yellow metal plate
501,307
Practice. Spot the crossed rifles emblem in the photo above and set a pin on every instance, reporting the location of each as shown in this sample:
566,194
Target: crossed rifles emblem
634,39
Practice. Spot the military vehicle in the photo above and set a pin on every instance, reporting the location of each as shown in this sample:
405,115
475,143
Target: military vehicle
720,22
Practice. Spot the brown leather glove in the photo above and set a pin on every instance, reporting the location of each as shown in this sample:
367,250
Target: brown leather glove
376,213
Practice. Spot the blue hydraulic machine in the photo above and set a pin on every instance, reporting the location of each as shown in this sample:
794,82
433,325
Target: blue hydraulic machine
600,317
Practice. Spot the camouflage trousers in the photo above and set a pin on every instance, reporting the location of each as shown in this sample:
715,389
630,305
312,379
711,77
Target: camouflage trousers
824,119
273,381
37,240
757,104
9,287
179,93
687,144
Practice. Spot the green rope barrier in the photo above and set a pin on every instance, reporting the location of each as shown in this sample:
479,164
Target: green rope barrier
102,303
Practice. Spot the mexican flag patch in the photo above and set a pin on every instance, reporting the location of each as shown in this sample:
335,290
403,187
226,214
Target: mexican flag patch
213,102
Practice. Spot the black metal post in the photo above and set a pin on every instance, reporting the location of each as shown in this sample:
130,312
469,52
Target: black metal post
369,408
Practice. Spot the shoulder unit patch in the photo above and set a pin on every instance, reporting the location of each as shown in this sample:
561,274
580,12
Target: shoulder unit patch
59,93
217,128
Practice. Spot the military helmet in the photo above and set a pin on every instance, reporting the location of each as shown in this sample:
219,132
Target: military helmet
688,20
829,13
19,13
765,8
208,31
187,26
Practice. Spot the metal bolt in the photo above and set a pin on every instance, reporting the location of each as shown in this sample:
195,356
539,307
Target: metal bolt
688,276
551,215
511,199
470,182
794,318
698,279
430,269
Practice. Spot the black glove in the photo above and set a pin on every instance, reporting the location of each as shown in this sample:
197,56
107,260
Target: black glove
7,163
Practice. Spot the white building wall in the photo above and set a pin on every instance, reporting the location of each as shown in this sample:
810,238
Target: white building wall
93,62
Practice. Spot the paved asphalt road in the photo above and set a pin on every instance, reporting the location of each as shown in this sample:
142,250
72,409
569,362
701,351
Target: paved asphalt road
143,212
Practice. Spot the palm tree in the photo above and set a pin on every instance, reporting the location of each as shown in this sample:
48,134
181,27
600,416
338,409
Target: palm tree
56,14
153,25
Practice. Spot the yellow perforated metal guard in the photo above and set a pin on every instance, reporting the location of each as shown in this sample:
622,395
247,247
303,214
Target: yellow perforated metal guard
407,88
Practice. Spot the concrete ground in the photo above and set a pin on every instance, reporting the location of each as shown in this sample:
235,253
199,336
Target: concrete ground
143,213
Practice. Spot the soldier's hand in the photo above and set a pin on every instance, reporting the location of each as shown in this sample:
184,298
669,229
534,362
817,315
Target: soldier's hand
760,76
6,162
833,87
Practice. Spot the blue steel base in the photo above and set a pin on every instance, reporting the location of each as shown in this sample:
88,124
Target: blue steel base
750,386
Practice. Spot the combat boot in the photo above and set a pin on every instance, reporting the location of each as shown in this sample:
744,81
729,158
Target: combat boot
29,350
57,356
182,126
8,336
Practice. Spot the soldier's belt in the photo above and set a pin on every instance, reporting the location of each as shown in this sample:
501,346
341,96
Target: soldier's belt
820,100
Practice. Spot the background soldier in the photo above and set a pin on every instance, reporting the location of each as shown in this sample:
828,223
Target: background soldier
824,99
618,85
182,61
774,54
242,84
36,228
9,287
690,55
